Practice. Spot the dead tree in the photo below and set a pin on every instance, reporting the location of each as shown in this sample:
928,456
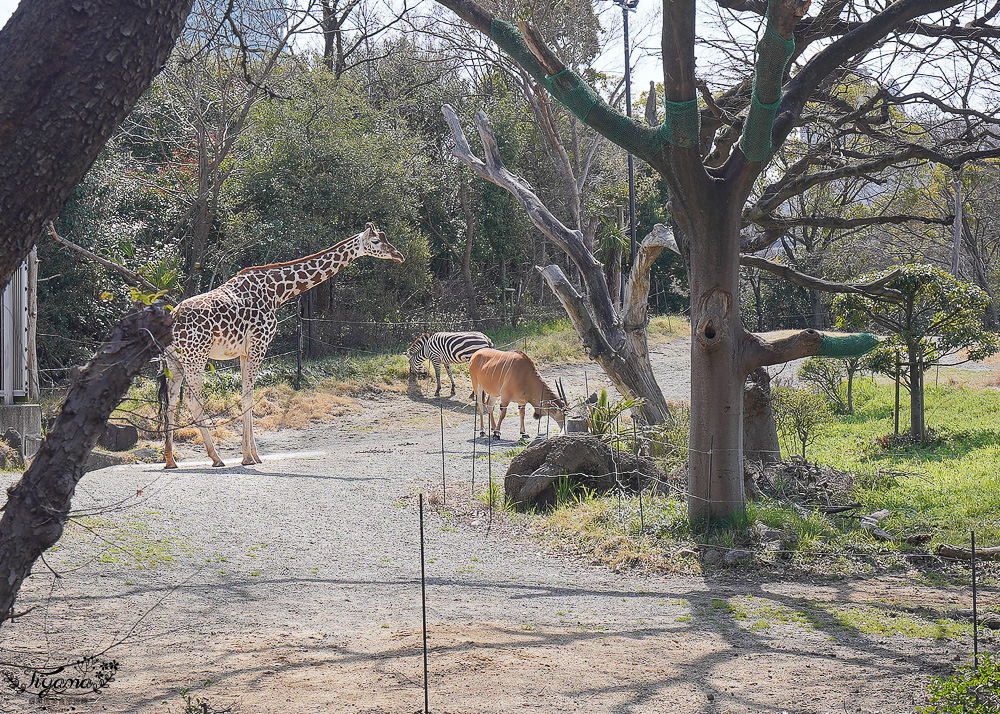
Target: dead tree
618,345
38,505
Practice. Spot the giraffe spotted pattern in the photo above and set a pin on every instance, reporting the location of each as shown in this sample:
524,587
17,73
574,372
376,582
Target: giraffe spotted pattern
239,319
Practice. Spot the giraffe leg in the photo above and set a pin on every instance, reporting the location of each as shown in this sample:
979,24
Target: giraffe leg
437,375
174,382
451,377
249,367
194,376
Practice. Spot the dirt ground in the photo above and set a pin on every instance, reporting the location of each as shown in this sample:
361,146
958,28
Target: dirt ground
294,587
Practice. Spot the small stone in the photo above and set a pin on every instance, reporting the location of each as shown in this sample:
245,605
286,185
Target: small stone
770,535
711,557
711,697
738,557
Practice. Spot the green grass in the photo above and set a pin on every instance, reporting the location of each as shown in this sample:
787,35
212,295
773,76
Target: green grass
945,489
948,487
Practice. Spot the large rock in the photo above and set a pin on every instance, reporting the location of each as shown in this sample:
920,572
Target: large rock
583,458
97,460
118,437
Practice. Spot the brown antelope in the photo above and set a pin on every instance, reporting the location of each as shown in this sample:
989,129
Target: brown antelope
513,377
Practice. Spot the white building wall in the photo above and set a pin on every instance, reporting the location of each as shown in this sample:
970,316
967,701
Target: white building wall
13,338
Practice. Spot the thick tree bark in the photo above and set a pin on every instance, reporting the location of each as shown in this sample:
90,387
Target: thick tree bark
72,71
38,504
715,474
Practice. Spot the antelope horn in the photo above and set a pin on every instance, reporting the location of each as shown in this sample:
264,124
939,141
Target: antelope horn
562,392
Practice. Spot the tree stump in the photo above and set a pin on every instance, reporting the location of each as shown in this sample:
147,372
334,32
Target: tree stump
760,433
583,458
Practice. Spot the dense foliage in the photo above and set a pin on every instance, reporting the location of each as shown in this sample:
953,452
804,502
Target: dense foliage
249,149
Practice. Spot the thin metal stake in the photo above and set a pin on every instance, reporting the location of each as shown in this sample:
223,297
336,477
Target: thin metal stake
642,517
475,435
975,608
444,484
711,477
489,462
423,604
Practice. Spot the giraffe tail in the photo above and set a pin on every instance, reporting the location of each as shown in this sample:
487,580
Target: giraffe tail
162,397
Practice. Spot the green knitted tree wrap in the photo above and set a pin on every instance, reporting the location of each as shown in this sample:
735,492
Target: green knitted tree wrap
852,345
681,124
681,127
773,53
510,40
572,92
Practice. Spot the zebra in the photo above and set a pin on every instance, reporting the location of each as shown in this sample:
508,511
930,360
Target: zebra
445,348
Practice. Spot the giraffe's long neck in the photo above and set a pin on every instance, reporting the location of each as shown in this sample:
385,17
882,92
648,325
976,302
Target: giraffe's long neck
291,279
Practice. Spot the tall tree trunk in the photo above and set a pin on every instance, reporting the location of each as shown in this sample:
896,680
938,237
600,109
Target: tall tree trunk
760,433
72,71
470,235
956,243
715,475
916,394
38,504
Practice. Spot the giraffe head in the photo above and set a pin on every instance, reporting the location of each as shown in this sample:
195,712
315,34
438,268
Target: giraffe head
373,243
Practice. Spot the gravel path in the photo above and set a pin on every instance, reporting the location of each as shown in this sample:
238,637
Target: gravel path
294,587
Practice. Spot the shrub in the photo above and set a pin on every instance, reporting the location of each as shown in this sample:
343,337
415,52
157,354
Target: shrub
970,690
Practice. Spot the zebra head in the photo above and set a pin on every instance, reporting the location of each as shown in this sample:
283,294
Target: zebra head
416,355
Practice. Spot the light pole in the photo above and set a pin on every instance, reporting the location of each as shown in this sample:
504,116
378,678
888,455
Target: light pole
628,6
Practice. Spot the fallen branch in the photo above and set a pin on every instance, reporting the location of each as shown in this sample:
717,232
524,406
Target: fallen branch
133,278
833,510
958,552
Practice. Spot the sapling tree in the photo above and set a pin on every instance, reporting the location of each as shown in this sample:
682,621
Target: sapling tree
800,414
939,316
834,378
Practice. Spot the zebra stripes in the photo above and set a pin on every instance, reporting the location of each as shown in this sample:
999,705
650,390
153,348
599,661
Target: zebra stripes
445,348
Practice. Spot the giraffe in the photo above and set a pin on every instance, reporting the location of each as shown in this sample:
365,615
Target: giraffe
238,319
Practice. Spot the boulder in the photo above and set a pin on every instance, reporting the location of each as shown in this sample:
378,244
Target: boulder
118,437
583,458
97,460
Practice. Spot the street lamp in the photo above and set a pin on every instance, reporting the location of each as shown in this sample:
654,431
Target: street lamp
628,6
